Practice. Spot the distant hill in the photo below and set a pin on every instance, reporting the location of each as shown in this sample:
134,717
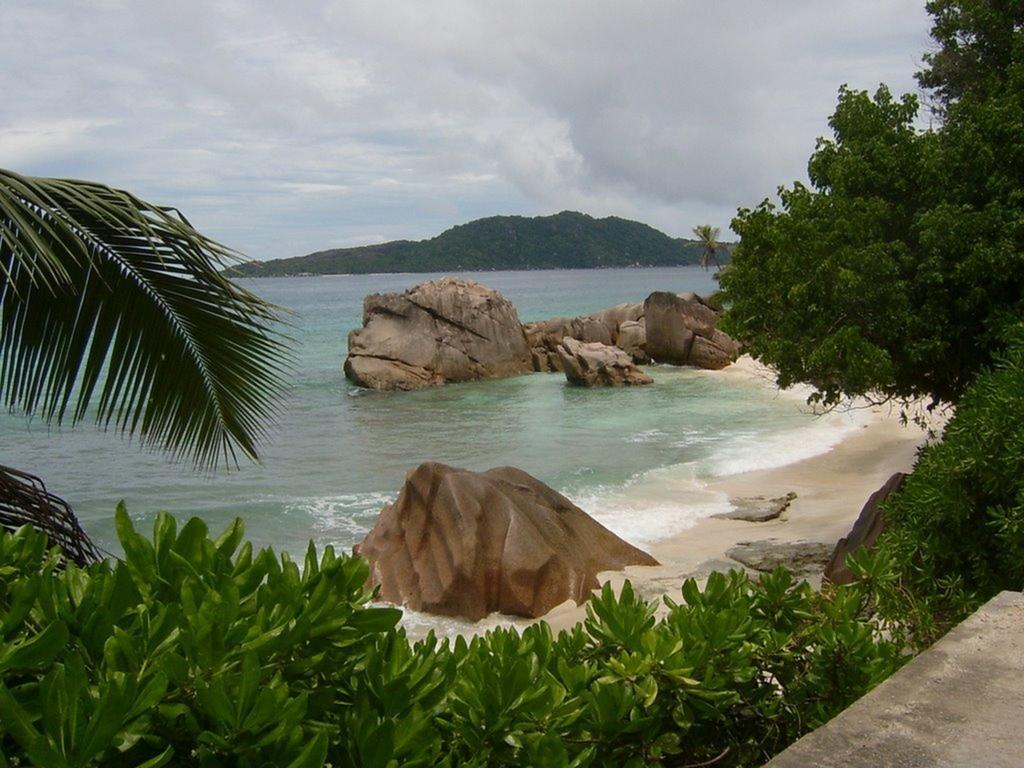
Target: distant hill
566,240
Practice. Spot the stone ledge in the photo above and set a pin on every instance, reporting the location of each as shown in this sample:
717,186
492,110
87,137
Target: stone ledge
960,703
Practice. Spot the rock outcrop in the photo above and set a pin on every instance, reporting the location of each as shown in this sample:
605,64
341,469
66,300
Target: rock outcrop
605,327
866,529
632,340
595,364
682,330
466,544
442,331
679,329
451,330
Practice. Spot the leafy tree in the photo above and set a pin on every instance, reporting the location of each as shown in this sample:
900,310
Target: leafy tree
899,269
976,41
707,236
900,272
956,530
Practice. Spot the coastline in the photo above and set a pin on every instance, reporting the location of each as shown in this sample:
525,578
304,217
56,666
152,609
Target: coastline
831,487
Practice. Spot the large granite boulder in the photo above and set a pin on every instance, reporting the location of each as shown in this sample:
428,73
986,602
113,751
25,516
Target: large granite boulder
633,340
869,525
681,330
466,544
599,365
442,331
604,327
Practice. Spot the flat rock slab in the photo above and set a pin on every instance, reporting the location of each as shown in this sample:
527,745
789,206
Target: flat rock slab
801,557
757,509
960,703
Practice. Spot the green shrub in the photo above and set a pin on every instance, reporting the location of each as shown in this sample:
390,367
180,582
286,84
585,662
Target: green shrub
201,652
955,533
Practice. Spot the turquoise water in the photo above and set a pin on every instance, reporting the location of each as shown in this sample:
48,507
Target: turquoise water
338,453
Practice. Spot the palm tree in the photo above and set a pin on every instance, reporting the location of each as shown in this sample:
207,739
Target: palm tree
116,309
707,236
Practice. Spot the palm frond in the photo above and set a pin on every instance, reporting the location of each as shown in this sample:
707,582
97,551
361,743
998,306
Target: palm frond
113,306
707,234
24,500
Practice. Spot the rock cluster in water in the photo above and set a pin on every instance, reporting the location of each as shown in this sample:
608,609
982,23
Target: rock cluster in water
593,364
451,330
466,544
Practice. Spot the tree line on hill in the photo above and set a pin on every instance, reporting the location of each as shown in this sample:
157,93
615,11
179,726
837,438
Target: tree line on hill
566,240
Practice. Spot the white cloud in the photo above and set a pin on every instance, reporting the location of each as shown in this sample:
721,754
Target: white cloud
27,141
285,128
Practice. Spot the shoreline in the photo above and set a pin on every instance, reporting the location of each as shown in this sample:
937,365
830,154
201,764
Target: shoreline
831,487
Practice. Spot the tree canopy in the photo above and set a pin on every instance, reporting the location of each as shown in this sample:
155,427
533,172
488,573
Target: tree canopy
899,270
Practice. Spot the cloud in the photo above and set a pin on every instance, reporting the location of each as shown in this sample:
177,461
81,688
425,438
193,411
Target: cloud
285,128
28,141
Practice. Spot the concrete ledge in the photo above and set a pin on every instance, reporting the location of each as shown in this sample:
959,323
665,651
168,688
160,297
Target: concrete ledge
960,703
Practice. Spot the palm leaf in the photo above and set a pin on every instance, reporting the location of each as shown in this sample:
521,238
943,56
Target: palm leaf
24,500
112,306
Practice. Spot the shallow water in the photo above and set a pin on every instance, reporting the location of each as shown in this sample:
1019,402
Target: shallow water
635,458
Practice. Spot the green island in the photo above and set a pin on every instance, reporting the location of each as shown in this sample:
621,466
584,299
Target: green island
897,274
566,240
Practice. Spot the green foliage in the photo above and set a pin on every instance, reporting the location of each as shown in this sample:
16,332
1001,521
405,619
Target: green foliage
196,651
900,273
975,47
899,270
111,303
565,240
955,533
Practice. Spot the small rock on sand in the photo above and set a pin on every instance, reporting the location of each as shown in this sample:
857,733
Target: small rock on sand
757,509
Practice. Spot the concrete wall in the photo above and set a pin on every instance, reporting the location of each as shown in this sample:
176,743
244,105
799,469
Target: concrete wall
960,703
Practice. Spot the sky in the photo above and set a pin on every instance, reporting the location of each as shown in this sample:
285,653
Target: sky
282,128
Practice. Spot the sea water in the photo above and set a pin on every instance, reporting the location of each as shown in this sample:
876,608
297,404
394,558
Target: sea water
636,458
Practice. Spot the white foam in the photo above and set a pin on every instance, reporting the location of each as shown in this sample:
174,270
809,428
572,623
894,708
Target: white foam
348,515
749,452
651,505
647,436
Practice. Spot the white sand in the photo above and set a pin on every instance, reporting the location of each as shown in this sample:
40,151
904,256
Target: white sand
831,489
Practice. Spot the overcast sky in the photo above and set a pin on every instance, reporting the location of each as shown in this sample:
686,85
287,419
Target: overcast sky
286,127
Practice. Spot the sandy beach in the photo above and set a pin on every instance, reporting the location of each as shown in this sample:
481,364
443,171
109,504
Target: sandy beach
831,488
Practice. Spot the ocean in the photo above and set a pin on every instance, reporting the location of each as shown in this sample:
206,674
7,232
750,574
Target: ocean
637,459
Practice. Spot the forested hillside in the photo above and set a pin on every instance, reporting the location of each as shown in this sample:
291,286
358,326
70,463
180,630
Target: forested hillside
566,240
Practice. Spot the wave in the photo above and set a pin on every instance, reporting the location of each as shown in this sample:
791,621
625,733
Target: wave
651,505
647,436
750,452
348,515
